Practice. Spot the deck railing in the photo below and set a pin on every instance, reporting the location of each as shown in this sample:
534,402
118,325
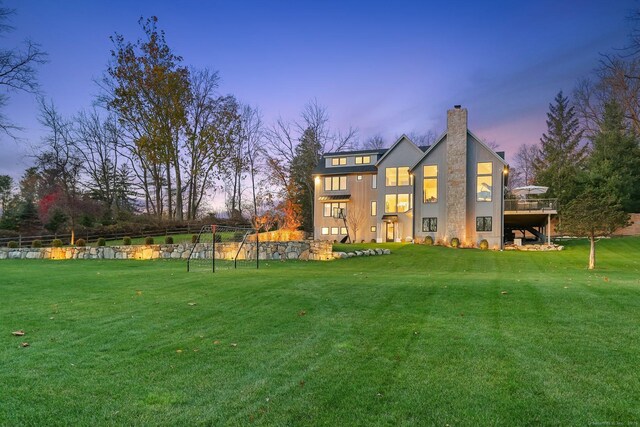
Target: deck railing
528,205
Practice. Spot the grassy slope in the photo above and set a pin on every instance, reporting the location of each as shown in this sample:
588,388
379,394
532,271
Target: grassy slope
423,336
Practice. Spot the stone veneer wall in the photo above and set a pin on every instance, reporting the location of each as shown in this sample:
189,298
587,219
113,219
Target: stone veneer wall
456,174
302,250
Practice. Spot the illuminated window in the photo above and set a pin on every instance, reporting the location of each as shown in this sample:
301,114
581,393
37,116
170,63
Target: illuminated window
343,230
484,182
334,230
403,176
391,177
338,161
363,160
430,184
390,203
373,228
404,202
359,177
374,181
483,223
325,231
374,208
328,209
429,224
332,183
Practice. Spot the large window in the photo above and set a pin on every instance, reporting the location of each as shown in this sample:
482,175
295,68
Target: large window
484,182
429,224
328,209
430,183
363,160
397,176
391,177
398,203
332,183
374,208
338,161
483,223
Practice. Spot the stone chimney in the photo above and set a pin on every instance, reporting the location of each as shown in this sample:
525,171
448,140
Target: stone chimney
456,173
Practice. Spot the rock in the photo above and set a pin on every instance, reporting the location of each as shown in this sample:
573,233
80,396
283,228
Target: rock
358,253
350,255
386,251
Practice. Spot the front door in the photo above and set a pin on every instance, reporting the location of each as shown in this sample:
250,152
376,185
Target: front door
390,228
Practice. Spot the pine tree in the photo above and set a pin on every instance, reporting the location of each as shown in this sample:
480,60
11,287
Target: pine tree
562,155
614,162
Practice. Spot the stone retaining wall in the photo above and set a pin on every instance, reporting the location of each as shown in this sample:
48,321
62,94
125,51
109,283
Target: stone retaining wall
302,250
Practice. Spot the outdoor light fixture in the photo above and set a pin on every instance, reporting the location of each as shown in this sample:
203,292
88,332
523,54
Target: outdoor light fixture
317,179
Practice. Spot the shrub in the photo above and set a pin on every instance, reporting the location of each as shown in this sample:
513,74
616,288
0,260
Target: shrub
168,240
56,243
194,238
428,241
81,242
455,242
36,244
484,245
373,240
126,241
12,244
101,242
148,240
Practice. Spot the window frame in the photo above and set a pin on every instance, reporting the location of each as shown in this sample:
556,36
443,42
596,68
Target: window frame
431,224
485,178
482,222
374,208
429,178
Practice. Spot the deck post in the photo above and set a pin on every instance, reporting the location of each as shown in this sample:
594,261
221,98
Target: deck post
549,229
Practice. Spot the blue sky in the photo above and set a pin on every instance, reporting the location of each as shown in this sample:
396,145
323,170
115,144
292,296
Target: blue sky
383,67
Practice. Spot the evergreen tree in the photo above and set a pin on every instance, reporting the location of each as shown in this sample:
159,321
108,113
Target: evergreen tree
562,155
614,162
305,160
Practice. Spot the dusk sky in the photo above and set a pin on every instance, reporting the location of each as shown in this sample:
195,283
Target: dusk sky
382,67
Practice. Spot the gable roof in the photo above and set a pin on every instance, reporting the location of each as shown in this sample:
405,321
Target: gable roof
469,133
395,144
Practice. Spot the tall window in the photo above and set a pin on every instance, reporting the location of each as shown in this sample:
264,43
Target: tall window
391,177
403,176
483,223
374,181
390,203
404,202
363,160
332,183
338,161
329,208
397,176
430,183
484,182
429,224
374,208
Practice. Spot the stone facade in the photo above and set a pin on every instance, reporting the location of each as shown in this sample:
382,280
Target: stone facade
294,250
456,193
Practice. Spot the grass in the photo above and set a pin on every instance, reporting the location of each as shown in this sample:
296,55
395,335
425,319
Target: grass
424,336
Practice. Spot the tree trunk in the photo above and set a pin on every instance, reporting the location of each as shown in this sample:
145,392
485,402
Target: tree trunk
169,193
592,252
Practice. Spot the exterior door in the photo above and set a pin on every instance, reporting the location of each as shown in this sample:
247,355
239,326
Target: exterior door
390,231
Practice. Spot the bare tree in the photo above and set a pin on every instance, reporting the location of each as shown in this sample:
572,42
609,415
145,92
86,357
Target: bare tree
356,220
376,142
525,159
422,139
17,69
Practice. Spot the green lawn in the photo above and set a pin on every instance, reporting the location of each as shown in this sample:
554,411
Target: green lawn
425,336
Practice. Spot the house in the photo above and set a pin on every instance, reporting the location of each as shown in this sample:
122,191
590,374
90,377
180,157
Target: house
453,188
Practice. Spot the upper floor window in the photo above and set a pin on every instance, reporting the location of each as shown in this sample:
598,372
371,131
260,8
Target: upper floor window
397,176
374,181
398,203
430,183
363,160
332,183
338,161
332,208
484,182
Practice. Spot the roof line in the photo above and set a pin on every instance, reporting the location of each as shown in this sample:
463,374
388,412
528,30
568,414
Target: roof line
395,144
